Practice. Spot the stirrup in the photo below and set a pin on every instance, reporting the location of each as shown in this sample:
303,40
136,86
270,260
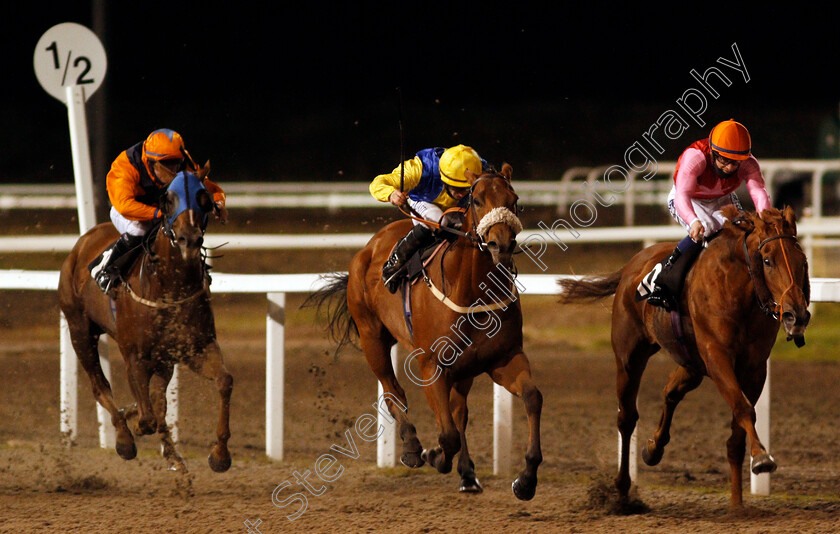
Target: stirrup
104,281
108,285
393,281
662,299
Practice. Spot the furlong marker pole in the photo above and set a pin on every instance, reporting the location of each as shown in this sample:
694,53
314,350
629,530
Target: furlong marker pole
386,443
502,430
68,385
760,484
275,364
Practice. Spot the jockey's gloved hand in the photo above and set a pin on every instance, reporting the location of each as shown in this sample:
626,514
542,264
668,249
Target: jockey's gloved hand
220,211
451,219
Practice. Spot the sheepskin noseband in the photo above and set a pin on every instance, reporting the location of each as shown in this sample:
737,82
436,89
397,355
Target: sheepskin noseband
496,216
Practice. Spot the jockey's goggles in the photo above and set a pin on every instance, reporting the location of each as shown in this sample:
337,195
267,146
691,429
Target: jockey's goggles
726,161
457,190
173,164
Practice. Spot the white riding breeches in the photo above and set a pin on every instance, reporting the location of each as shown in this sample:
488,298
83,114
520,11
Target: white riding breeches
427,210
127,226
708,211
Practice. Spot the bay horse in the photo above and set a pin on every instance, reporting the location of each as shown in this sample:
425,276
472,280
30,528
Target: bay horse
470,327
751,279
160,315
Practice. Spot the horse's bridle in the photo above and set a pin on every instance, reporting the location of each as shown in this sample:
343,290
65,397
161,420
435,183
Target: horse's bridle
767,302
167,225
473,234
165,229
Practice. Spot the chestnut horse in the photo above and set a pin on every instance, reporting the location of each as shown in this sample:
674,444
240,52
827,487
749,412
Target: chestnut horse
160,315
752,277
475,328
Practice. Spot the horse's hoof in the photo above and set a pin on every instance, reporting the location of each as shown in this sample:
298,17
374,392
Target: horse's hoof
435,458
470,484
178,468
177,464
127,451
146,427
763,463
651,458
219,465
412,460
523,488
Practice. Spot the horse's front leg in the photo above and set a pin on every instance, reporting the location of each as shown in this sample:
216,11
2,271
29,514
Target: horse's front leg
719,365
515,376
139,375
210,364
157,393
751,377
437,393
735,450
460,412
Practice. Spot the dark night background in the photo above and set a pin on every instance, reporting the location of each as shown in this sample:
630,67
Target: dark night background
308,91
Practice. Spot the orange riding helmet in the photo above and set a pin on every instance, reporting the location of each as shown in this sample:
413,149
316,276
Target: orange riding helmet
162,145
731,139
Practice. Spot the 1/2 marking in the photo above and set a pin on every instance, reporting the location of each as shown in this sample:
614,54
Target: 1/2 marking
81,80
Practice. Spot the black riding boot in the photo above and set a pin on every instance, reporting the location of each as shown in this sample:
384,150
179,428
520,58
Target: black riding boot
669,282
418,237
108,270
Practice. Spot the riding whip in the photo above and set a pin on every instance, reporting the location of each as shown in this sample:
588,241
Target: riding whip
402,155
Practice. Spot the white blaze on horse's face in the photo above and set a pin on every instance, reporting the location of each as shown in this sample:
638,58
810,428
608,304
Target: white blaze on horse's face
494,203
188,236
785,271
185,207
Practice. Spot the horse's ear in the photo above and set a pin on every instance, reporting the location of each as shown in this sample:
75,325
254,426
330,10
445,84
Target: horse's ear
471,176
204,200
789,217
168,202
203,171
507,171
741,221
730,212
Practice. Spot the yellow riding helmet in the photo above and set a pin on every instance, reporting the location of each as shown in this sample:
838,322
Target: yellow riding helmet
731,139
455,162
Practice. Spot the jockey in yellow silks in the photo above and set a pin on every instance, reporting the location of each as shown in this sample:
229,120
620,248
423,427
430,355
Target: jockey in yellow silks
433,181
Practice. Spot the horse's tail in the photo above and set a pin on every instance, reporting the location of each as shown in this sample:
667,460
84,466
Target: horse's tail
589,287
342,327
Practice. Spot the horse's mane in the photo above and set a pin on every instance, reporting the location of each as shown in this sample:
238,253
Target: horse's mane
771,221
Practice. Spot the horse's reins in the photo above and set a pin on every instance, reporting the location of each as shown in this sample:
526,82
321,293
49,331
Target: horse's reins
166,229
474,238
161,303
768,303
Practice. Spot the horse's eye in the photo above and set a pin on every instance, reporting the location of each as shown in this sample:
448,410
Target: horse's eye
767,262
477,203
